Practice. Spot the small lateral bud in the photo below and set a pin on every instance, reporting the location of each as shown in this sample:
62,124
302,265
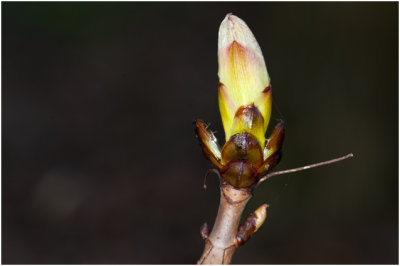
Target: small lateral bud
251,225
204,231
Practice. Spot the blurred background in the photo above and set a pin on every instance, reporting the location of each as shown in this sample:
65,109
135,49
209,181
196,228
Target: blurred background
99,159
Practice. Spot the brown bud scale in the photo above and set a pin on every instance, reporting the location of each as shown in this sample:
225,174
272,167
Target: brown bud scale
246,230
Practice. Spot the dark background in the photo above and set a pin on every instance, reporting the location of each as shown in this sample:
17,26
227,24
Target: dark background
99,159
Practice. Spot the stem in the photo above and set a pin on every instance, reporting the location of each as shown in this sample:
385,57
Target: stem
220,245
304,167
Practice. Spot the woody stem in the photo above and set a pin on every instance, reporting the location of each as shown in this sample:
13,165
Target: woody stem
220,245
304,167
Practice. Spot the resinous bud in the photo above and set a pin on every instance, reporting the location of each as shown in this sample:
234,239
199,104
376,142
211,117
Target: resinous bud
244,80
251,225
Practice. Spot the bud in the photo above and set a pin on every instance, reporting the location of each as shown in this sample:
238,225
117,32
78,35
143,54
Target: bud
244,97
243,76
204,231
251,225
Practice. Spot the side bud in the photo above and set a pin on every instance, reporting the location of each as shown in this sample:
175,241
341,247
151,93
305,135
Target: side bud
204,231
251,225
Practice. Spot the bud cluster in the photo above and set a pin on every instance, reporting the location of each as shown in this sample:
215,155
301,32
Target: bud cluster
245,98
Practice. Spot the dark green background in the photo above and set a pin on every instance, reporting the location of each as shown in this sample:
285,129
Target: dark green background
99,159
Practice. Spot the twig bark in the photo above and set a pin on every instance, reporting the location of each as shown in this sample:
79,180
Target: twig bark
220,245
304,167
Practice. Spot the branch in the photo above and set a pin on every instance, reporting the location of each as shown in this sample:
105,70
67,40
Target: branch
304,167
221,243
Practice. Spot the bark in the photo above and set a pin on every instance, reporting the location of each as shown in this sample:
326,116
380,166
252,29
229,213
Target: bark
220,245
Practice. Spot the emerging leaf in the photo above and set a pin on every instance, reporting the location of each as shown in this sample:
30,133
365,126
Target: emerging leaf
242,72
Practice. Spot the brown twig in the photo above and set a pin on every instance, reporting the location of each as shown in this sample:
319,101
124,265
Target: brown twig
304,167
220,244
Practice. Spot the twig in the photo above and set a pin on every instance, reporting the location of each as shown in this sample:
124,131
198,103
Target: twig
220,243
304,167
